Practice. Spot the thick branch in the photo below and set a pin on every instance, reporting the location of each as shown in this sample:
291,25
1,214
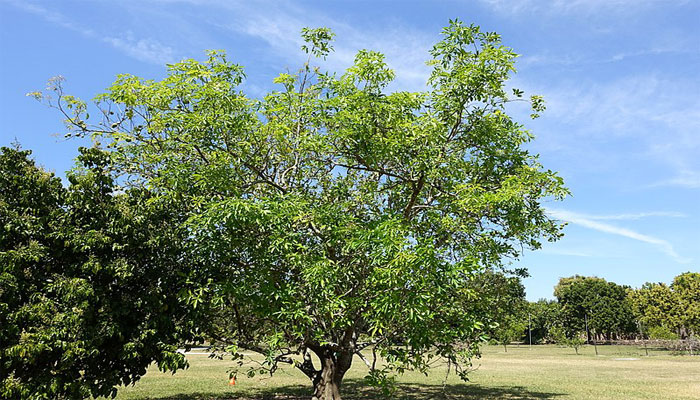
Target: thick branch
414,196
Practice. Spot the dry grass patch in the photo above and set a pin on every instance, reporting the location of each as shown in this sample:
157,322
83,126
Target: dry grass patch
544,372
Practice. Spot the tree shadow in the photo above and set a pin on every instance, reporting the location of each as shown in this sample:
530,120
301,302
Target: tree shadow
357,389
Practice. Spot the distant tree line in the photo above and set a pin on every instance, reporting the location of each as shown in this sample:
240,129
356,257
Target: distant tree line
595,309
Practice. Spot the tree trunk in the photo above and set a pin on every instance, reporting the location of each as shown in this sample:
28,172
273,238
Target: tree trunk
333,367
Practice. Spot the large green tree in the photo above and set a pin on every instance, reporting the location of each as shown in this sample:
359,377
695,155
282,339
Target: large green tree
686,287
340,215
86,280
675,307
596,304
655,305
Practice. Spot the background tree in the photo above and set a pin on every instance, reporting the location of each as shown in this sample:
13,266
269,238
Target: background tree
545,315
501,299
659,307
654,306
594,303
343,216
569,338
86,278
686,288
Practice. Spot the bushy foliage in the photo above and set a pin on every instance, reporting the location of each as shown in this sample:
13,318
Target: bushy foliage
545,316
569,338
500,298
687,290
601,305
659,307
86,281
661,332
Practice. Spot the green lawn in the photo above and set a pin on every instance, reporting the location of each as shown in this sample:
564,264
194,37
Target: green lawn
544,372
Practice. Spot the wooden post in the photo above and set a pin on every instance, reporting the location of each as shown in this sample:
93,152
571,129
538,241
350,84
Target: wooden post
595,346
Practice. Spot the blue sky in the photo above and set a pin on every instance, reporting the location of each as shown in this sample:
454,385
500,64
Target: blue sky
621,79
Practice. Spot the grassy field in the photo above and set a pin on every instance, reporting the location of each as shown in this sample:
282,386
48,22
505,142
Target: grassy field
543,372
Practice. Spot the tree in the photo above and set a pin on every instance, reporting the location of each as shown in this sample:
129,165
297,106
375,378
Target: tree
654,306
86,278
501,299
544,317
660,307
686,287
593,304
509,330
568,338
340,216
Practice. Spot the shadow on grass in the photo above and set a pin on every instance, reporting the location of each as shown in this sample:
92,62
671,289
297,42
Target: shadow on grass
358,390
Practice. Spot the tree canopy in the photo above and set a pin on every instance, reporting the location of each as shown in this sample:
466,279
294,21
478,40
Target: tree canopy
596,304
545,316
332,214
86,280
675,307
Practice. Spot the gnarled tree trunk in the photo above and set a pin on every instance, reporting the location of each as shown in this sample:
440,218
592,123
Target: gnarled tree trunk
328,379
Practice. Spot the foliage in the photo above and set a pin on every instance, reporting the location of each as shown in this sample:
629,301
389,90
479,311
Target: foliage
567,338
86,278
335,215
545,315
602,305
509,330
686,287
501,299
663,307
654,305
661,332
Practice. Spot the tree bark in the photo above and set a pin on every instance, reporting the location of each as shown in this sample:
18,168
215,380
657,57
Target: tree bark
327,381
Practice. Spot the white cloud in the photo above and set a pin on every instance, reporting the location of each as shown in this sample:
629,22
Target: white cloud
644,121
516,7
406,49
624,216
146,49
51,16
587,222
685,178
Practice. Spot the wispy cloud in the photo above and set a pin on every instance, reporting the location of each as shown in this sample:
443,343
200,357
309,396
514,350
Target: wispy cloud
674,46
623,216
52,16
148,50
514,7
655,119
143,49
591,223
280,28
687,179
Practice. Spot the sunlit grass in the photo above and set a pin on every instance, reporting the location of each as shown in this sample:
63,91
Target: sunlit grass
543,372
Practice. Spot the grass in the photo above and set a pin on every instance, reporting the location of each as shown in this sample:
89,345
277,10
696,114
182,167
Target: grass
543,372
